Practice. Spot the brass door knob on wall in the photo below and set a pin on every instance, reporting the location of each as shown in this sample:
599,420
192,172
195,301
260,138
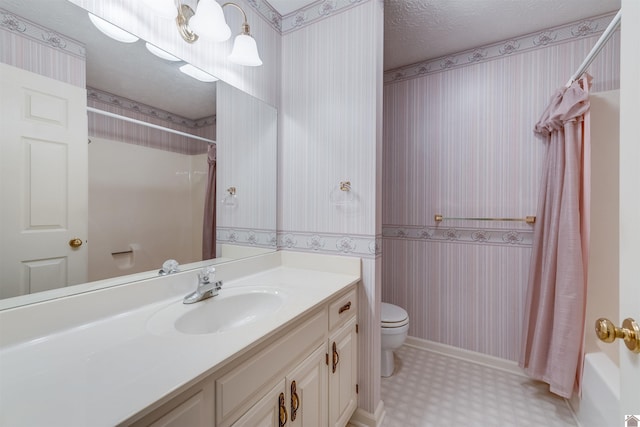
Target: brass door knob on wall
75,243
630,332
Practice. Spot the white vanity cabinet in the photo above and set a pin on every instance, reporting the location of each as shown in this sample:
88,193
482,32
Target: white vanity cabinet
303,376
298,400
318,374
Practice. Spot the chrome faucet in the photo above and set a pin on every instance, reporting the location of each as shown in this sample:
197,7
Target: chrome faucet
207,288
170,266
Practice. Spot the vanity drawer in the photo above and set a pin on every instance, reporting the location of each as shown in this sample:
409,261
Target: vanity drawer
343,308
243,386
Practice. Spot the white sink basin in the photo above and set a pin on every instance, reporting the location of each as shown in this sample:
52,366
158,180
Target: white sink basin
229,310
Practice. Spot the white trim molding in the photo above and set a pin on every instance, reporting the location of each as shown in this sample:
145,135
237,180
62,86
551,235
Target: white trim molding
467,355
362,418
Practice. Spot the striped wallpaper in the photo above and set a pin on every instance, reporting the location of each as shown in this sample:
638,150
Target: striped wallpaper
247,146
459,142
330,114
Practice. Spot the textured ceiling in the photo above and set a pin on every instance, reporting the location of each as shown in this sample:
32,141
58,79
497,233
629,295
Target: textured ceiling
416,30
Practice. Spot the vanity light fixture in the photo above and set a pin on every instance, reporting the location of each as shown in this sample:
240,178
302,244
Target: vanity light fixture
111,30
208,22
197,73
161,53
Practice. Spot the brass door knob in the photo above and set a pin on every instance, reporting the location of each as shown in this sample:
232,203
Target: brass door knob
630,332
75,243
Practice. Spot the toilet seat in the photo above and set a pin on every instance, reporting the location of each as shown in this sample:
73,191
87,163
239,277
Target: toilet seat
392,316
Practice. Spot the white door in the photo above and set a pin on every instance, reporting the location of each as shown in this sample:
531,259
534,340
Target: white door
629,200
43,183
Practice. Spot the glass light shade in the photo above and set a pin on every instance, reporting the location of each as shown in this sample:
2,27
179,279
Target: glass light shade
111,30
161,53
197,73
245,51
209,22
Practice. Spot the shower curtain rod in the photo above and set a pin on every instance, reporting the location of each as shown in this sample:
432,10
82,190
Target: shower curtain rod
151,125
606,35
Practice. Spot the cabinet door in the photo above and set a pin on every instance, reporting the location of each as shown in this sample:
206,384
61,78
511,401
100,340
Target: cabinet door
307,391
193,408
270,411
343,370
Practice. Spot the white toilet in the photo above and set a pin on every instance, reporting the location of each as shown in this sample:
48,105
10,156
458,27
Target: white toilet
394,327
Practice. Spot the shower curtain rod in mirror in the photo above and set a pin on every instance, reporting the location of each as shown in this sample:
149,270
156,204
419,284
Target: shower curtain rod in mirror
606,35
151,125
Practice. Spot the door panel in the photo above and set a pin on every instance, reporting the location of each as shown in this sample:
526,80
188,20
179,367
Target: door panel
311,391
43,182
629,201
342,381
265,413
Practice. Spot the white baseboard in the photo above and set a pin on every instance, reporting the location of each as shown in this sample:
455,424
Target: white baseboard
362,418
467,355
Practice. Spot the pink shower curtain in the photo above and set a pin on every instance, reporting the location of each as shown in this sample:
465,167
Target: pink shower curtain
552,346
209,225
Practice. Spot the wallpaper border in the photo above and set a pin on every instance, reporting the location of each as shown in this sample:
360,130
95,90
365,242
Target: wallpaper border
365,246
148,110
445,234
263,238
540,39
304,16
24,27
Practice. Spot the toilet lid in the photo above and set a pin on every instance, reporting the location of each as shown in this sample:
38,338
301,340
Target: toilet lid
393,316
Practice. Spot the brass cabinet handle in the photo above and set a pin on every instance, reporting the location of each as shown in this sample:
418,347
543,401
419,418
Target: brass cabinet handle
283,410
75,242
336,357
630,332
295,401
345,307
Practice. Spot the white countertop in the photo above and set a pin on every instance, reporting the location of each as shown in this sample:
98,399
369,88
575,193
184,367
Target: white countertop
102,371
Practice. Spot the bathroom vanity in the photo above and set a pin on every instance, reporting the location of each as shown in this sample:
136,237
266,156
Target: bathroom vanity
277,346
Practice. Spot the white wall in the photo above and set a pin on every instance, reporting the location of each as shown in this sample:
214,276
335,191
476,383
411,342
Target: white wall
142,199
602,291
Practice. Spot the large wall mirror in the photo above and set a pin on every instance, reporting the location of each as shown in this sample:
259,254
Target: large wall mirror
199,183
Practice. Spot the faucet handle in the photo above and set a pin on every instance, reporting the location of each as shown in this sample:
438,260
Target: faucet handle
206,274
170,266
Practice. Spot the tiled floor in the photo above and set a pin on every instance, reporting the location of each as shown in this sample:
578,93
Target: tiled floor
428,389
